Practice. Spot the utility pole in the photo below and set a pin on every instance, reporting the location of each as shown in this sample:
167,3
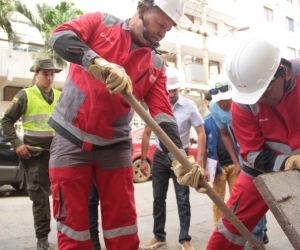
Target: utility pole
205,61
178,52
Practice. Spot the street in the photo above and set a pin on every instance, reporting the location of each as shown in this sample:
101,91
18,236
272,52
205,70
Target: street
17,232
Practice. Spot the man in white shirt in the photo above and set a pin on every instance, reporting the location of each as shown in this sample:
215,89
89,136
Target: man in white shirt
187,115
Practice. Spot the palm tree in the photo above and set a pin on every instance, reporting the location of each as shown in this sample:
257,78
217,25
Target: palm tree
48,19
5,7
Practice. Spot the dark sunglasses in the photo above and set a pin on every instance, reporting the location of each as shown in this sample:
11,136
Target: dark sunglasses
278,74
221,89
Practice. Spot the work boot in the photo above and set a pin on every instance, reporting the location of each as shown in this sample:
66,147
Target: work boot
95,240
42,244
265,238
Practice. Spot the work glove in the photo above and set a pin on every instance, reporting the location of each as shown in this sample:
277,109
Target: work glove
113,75
292,162
191,178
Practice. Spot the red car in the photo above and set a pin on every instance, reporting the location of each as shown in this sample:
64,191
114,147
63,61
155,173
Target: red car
137,152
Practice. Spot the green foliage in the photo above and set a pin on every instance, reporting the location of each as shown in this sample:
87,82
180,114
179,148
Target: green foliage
21,8
48,19
6,6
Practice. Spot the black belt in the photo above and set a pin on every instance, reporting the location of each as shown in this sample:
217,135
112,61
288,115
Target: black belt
160,152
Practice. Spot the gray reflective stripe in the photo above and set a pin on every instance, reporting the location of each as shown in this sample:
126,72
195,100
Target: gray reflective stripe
117,232
233,238
251,158
75,235
297,151
278,162
81,135
35,117
39,133
164,118
280,147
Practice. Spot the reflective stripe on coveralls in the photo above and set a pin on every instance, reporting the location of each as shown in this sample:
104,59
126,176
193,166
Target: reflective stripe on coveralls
75,235
276,146
85,235
235,239
127,230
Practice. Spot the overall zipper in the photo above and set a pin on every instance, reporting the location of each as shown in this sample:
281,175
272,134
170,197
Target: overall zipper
140,78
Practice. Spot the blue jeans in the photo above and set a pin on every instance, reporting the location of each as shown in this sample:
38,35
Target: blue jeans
93,208
258,231
161,172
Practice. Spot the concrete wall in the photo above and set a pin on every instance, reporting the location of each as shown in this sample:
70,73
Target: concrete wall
15,66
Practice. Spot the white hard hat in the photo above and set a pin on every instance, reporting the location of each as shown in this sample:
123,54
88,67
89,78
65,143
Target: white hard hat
173,81
173,8
250,68
222,90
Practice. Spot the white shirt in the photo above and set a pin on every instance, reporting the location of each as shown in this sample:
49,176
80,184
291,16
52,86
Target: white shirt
187,115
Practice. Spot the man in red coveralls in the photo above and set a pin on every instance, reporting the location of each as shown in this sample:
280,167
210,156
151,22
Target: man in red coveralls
93,139
266,122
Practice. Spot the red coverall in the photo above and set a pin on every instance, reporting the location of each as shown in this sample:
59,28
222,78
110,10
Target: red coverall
93,132
267,136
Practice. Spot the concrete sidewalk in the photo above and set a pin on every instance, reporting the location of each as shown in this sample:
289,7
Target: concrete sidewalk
17,232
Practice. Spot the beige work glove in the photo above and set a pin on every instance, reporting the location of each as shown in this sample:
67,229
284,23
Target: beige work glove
292,162
113,75
191,178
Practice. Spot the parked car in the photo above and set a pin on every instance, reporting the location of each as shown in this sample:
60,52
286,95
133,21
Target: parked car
10,171
137,152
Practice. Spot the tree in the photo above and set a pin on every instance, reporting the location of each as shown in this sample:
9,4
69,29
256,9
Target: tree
6,6
48,19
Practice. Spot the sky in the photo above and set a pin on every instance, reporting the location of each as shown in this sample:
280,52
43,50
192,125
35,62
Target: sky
120,8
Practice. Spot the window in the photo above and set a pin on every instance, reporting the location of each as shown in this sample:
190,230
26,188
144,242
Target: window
214,67
212,27
10,92
289,24
291,53
268,14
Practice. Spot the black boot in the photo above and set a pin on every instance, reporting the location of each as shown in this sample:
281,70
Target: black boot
266,238
95,240
42,244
